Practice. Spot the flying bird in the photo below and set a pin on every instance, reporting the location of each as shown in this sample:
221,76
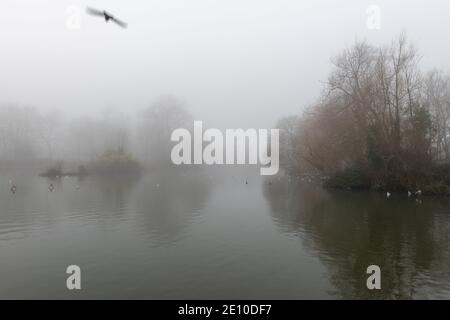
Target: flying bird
107,16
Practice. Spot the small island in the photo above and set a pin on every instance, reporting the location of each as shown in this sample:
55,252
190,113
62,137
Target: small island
109,163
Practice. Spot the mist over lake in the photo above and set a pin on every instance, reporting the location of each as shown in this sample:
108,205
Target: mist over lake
204,150
204,234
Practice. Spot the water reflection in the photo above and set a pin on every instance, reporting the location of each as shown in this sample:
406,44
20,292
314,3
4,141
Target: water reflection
167,202
18,217
349,231
159,205
195,234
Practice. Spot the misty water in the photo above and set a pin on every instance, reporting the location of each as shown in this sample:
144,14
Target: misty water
200,234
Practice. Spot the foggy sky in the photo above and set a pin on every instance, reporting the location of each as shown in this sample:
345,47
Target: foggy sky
233,62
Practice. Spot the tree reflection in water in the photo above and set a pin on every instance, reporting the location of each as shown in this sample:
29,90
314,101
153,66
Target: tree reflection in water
167,202
350,230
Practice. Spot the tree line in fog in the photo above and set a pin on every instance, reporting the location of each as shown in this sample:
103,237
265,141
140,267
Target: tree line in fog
381,122
29,136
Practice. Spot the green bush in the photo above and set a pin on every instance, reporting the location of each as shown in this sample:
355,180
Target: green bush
354,177
116,162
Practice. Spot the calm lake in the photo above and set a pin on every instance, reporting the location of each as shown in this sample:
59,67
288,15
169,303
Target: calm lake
201,235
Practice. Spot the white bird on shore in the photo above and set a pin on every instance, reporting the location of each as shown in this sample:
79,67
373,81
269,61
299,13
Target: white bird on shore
388,195
419,193
409,193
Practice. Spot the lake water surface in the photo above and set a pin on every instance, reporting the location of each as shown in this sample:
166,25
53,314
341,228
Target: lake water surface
194,235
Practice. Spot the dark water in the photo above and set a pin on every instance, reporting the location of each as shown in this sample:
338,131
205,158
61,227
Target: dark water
193,235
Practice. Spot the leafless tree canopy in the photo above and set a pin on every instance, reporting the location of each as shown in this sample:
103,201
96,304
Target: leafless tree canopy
378,112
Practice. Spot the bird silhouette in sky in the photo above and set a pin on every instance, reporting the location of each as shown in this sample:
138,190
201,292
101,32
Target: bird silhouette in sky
107,16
